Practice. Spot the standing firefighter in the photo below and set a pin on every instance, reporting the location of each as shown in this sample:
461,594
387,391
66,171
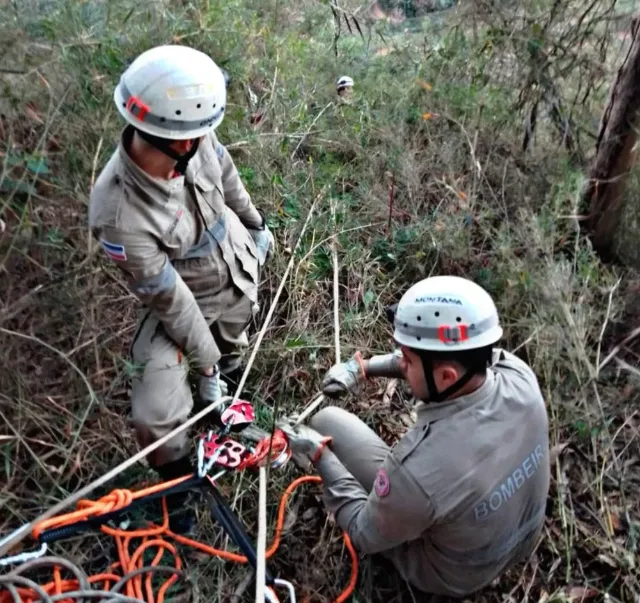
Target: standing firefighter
171,211
461,497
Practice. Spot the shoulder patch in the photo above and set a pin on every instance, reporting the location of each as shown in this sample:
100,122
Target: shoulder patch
219,151
382,484
114,251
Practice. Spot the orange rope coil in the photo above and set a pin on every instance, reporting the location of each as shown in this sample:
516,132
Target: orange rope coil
131,563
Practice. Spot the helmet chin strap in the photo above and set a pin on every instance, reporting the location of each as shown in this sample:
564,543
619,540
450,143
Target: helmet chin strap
164,146
433,395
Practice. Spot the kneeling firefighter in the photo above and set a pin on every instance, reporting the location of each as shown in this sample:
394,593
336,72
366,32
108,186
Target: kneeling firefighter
461,497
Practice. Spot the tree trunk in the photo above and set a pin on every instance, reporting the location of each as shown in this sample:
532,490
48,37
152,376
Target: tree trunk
615,151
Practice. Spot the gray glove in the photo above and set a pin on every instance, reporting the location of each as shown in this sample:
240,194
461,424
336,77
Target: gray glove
211,387
306,444
343,377
265,243
349,376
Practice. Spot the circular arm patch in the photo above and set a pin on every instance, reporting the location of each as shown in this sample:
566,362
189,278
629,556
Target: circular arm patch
382,485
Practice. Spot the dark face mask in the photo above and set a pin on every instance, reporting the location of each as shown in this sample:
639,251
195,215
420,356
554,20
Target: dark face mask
164,145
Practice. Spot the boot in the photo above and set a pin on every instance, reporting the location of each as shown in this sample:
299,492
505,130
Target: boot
182,518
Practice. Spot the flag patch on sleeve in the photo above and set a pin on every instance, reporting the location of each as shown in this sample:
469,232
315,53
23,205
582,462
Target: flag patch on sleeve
115,252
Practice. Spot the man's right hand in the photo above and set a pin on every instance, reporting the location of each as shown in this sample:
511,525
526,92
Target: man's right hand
344,377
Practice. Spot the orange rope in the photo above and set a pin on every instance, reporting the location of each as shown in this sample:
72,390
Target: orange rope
276,444
152,537
118,499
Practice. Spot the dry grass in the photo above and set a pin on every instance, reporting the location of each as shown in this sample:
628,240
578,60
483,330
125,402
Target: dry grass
435,125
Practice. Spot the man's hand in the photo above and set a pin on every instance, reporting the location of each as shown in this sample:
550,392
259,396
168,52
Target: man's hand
211,387
306,443
344,377
265,243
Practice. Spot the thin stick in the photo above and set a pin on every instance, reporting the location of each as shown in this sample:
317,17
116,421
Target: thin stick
313,123
604,324
318,400
635,333
336,292
262,536
262,505
273,304
391,199
19,534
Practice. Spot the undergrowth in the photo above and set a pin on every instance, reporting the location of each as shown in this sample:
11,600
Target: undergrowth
461,151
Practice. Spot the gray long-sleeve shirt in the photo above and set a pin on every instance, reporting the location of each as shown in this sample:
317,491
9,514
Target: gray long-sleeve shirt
181,243
462,495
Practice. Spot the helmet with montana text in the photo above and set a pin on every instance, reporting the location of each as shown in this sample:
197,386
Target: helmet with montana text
172,92
446,314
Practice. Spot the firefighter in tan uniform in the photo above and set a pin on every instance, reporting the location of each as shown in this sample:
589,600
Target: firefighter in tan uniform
170,210
461,497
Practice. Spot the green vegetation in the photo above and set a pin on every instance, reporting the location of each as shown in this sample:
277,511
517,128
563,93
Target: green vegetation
425,170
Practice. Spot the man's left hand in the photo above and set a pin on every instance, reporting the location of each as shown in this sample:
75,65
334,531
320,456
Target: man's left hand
265,243
306,444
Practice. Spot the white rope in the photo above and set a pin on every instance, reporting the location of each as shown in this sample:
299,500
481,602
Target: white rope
18,535
23,557
262,506
261,546
289,587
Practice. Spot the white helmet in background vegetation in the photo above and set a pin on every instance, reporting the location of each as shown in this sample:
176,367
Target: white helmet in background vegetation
343,83
446,314
172,92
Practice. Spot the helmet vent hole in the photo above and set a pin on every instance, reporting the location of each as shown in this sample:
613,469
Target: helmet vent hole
162,119
458,319
199,105
437,314
419,318
418,338
178,112
406,325
214,105
124,105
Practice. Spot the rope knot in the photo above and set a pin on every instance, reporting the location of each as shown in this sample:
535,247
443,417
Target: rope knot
116,500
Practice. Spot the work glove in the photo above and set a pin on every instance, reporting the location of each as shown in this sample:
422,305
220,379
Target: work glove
265,243
344,377
264,240
305,443
211,387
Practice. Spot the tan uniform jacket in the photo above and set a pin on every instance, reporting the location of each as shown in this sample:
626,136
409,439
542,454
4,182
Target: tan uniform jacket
462,495
180,242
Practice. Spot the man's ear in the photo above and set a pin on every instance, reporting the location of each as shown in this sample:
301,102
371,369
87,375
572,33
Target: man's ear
449,373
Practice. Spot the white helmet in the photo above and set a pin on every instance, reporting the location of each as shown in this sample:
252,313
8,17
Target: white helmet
172,92
446,314
344,82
